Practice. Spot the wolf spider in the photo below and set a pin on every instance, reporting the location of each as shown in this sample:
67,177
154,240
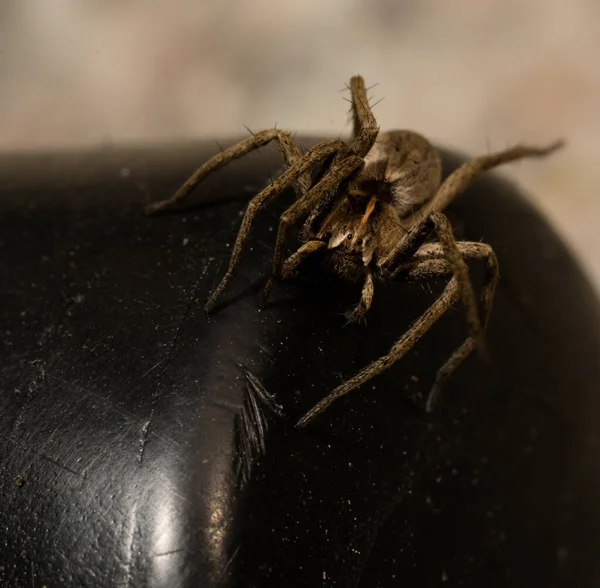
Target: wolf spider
371,213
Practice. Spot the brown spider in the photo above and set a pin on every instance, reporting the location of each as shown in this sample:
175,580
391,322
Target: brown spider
371,214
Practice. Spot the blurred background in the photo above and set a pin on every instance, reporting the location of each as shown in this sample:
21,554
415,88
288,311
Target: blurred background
474,75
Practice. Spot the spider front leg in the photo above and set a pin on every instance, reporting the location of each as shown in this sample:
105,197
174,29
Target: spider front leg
366,128
366,299
289,149
310,158
306,250
301,208
310,247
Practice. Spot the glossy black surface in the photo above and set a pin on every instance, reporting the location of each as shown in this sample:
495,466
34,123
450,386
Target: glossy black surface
132,450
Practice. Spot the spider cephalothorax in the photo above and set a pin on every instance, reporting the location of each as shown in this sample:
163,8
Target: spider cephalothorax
371,213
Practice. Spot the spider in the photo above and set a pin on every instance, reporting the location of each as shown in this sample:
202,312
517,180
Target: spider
371,214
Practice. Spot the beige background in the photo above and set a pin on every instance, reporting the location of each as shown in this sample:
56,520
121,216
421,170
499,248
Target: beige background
471,74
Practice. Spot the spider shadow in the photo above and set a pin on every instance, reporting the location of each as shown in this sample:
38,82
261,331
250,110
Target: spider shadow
251,290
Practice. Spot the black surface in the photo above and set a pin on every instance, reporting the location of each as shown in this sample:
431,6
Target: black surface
131,451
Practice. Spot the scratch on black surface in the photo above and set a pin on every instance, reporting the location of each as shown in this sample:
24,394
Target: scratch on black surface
34,386
227,567
131,552
144,436
251,425
266,351
169,552
51,332
182,497
155,365
130,417
163,363
61,466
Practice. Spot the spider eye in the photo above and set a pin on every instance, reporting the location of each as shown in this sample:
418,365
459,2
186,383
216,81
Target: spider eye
359,242
349,237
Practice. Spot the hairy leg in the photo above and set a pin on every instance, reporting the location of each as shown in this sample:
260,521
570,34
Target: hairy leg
306,250
408,340
366,299
366,128
414,240
461,178
364,135
455,259
455,183
310,158
302,207
429,263
289,149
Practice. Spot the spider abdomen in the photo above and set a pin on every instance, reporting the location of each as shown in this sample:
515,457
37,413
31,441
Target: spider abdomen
409,164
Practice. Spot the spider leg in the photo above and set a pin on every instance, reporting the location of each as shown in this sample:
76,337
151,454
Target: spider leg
364,134
423,219
312,156
455,183
294,260
289,149
366,128
460,178
462,352
455,259
430,264
366,299
408,340
415,238
302,207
